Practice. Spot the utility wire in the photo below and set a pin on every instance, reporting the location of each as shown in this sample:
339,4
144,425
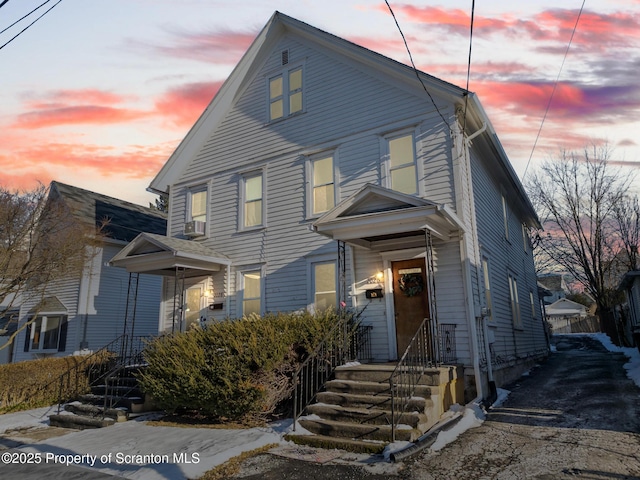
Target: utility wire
20,19
466,96
28,26
2,4
414,65
553,91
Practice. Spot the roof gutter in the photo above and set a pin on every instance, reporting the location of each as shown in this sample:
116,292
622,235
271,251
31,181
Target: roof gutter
476,133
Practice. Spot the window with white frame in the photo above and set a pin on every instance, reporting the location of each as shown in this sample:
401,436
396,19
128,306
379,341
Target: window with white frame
402,164
252,201
505,217
322,196
324,285
197,204
487,288
525,238
285,94
251,292
515,303
46,333
533,305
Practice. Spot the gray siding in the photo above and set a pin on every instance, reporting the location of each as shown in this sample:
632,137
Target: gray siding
95,303
506,256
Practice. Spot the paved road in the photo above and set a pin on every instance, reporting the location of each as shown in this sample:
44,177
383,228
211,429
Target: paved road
575,416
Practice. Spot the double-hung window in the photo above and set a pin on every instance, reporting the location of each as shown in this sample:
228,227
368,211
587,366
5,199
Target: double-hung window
322,196
252,201
403,175
197,204
46,333
505,217
324,285
285,94
251,292
515,303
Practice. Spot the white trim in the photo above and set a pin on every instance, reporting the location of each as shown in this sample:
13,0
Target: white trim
309,171
242,195
418,163
240,272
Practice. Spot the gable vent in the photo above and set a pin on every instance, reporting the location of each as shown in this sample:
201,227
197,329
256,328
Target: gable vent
285,57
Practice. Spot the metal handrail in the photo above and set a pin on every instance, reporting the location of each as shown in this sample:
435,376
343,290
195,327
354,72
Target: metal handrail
343,343
98,366
420,354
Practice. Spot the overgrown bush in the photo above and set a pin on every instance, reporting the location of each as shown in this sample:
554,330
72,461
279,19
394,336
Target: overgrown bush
36,383
235,369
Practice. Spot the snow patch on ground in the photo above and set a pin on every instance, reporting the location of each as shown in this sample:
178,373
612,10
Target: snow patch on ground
632,367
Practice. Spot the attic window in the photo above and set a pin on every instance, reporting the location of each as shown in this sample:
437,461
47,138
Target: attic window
285,57
285,93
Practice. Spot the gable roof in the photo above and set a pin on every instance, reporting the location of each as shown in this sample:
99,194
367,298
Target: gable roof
116,219
161,255
280,24
376,214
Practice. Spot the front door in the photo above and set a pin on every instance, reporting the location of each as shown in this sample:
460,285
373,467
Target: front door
410,299
193,304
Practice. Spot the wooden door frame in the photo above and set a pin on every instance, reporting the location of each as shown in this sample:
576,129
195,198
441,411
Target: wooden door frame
387,259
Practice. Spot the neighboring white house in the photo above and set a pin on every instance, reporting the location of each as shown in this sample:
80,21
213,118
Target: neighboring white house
322,174
562,313
556,285
88,310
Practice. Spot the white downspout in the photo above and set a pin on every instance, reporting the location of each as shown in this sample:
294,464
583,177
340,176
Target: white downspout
462,149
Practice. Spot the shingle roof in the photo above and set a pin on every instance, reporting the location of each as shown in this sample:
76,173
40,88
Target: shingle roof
118,219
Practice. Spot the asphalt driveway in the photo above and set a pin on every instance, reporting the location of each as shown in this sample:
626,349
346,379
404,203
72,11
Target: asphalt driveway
575,416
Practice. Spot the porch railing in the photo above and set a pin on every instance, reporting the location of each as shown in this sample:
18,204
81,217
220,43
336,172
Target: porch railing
420,354
97,367
345,342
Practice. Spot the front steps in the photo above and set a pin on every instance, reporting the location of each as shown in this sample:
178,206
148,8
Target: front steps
123,399
354,411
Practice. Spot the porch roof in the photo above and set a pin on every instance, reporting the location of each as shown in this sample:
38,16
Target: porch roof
161,255
375,215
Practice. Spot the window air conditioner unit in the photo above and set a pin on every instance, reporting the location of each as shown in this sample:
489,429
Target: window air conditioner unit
194,228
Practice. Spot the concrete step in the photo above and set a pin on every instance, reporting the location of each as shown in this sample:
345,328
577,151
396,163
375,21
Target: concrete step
374,388
357,431
133,404
350,445
363,415
79,422
94,411
119,390
381,372
382,402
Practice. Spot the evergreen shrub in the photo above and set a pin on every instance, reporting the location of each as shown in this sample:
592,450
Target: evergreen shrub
234,369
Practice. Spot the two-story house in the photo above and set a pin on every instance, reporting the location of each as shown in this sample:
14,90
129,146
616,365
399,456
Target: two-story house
325,174
87,309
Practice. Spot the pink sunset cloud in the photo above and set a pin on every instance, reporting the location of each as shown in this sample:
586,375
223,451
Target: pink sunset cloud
216,46
184,104
599,30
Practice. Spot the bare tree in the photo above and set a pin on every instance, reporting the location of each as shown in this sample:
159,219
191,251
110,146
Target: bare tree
40,242
627,215
579,198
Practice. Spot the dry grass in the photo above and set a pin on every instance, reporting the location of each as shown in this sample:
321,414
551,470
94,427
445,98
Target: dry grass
232,466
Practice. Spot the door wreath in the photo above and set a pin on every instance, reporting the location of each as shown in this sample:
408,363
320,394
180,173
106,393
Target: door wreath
411,284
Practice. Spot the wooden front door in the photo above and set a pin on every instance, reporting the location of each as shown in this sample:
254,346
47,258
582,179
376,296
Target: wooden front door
410,299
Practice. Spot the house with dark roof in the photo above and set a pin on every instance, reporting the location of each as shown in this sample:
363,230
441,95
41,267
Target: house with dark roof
91,308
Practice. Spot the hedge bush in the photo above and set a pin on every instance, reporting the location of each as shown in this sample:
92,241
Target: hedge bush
36,383
234,369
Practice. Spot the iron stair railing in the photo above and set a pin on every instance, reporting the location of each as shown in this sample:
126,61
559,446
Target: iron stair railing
420,354
346,341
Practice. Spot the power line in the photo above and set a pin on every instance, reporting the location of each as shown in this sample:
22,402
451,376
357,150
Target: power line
2,4
28,26
466,97
553,91
414,66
